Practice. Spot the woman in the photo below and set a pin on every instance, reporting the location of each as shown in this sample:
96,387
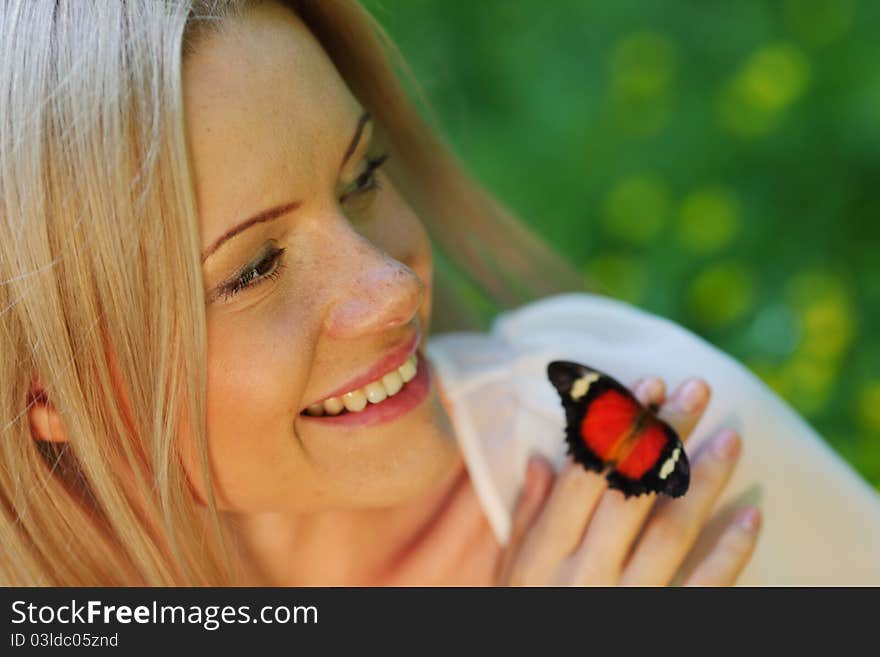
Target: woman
217,291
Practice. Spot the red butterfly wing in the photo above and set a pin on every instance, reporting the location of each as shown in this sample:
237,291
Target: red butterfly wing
609,418
648,445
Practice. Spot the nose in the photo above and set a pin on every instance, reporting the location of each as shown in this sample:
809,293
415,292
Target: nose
374,292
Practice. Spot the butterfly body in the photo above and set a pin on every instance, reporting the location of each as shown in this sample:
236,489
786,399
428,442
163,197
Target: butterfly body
608,428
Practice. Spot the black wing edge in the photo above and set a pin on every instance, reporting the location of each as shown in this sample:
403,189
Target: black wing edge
563,373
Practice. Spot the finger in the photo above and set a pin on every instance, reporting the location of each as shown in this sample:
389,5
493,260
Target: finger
674,525
539,480
560,526
724,564
617,520
686,407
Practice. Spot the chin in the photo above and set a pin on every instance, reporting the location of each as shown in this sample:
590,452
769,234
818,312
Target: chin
416,476
423,454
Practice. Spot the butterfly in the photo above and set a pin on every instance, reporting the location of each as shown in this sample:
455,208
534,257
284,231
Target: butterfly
607,426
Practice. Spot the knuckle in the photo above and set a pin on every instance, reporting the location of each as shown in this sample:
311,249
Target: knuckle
672,529
552,534
596,563
553,531
571,480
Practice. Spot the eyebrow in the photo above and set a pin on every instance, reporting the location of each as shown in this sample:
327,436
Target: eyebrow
280,210
365,118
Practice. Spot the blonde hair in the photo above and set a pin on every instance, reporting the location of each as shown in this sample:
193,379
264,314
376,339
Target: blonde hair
101,296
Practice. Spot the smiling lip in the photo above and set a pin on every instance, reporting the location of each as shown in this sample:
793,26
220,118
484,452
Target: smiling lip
410,397
389,362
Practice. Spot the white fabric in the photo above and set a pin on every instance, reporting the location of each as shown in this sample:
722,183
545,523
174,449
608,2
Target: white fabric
821,519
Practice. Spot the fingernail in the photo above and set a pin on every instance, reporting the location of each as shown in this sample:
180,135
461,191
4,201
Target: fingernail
648,389
749,519
693,395
726,445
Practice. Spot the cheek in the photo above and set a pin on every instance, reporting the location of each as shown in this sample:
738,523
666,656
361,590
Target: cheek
256,380
251,382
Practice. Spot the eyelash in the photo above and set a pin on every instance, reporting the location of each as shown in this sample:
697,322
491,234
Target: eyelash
365,182
245,280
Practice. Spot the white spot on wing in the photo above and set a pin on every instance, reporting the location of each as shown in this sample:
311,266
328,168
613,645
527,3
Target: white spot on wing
580,387
669,466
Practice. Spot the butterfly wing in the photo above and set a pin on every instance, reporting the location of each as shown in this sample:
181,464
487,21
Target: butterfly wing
607,426
600,412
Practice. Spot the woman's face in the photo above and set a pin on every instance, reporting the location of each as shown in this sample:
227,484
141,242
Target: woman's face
316,283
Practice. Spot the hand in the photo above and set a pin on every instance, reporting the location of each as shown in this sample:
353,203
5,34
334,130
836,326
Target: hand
571,529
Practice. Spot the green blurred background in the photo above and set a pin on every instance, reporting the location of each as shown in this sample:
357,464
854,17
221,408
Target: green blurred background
717,163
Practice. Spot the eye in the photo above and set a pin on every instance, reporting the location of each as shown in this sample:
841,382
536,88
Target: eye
267,267
367,181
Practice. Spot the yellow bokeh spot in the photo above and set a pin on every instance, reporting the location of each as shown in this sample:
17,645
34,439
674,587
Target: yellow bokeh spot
869,407
709,219
620,275
642,66
772,78
636,209
828,328
775,76
825,310
808,383
721,294
819,22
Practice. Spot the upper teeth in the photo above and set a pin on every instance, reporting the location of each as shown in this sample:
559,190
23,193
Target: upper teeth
374,392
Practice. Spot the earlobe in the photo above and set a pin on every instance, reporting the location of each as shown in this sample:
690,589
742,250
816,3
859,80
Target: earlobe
43,417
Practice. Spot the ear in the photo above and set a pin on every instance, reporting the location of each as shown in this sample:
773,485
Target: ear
43,417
